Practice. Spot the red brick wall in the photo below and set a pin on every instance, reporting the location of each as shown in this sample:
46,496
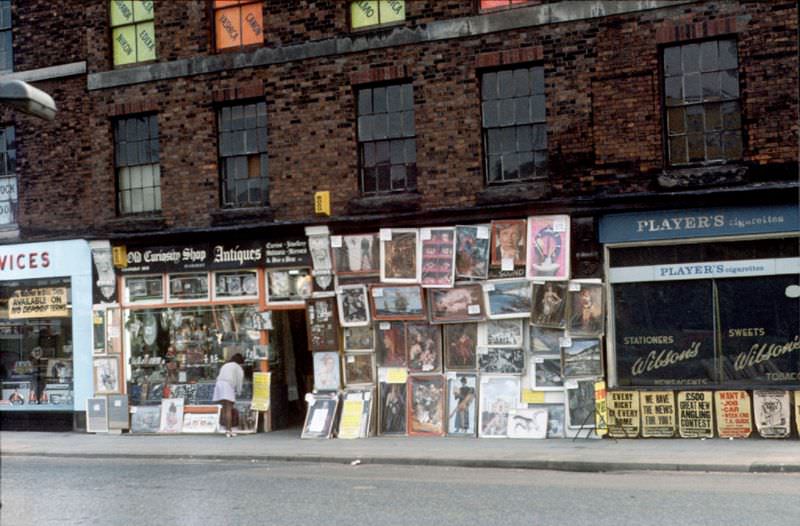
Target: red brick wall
46,33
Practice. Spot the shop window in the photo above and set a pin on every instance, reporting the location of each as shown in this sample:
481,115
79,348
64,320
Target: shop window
8,177
6,48
235,284
188,287
136,158
132,31
144,289
238,23
387,143
701,98
514,126
288,286
243,155
500,4
36,367
366,14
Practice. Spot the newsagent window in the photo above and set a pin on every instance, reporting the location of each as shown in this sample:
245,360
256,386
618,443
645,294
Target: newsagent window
36,366
243,155
387,143
136,158
6,48
701,96
514,126
238,23
8,177
132,31
371,13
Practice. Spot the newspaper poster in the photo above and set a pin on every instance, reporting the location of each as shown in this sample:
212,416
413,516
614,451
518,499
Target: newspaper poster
772,412
601,408
658,414
350,421
695,414
734,419
261,387
623,414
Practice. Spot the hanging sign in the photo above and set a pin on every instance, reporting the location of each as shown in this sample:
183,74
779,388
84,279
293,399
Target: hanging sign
48,302
734,418
623,414
695,414
772,413
658,414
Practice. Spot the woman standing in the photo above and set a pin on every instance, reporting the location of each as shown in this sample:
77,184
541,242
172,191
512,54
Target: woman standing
229,384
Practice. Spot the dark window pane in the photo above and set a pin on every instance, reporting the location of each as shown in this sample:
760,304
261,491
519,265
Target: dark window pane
398,175
694,119
408,123
691,58
489,86
540,160
537,80
237,118
225,119
677,149
537,108
697,147
490,109
411,177
713,117
710,86
728,55
730,84
408,96
382,152
493,141
384,178
364,101
675,121
250,116
731,118
494,168
522,80
395,124
395,96
540,137
397,152
237,142
672,61
132,153
673,90
505,84
251,140
369,180
365,128
153,125
691,86
510,166
709,56
524,139
526,166
506,113
732,145
522,110
508,140
411,151
379,100
262,114
379,126
713,146
369,154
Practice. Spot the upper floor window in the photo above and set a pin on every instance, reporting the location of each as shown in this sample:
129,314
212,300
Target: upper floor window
701,95
238,23
368,13
136,159
514,128
132,31
243,154
8,177
499,4
386,139
6,49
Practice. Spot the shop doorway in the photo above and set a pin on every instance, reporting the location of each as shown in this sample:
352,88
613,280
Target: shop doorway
293,369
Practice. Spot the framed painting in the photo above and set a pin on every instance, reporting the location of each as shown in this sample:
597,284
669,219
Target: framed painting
508,244
545,373
397,302
248,418
501,360
145,418
498,396
392,409
508,298
462,401
503,333
582,358
426,397
357,254
97,415
320,416
545,340
401,258
548,239
201,419
586,314
359,368
326,371
171,416
106,375
580,404
438,257
353,305
323,330
288,286
472,252
460,344
424,344
359,338
549,304
527,423
319,247
460,304
390,344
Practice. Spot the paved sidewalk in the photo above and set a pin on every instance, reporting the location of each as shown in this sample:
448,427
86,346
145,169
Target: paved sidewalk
751,455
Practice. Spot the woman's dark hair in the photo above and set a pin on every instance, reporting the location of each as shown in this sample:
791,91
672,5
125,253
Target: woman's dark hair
238,358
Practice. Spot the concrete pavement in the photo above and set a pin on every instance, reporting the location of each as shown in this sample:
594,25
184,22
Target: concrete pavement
749,455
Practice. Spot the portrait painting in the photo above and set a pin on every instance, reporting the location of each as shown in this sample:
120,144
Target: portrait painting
353,305
462,402
359,338
472,252
426,405
498,395
326,371
438,257
549,304
424,343
586,315
390,344
501,360
582,358
357,255
460,344
401,257
508,243
508,298
359,368
459,304
392,409
548,239
397,302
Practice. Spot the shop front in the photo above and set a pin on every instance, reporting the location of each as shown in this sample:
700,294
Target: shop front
45,334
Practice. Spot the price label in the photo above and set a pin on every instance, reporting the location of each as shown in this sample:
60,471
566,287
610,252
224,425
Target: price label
565,341
507,265
396,375
559,225
474,309
336,241
377,293
117,403
483,350
386,234
532,397
351,359
538,282
488,287
571,384
385,326
483,232
538,360
574,287
425,234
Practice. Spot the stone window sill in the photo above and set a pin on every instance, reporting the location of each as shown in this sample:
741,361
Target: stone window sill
137,223
385,203
700,176
233,216
514,192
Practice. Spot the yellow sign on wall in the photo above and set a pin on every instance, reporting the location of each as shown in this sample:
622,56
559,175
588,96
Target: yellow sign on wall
322,203
50,302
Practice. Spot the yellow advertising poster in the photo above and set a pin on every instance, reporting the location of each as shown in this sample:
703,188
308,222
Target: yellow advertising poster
658,414
261,386
350,423
396,375
50,302
532,397
623,414
695,414
601,408
734,416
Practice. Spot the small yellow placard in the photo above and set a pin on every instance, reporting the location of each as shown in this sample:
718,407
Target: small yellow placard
322,203
261,385
350,423
396,375
50,302
119,256
601,408
532,397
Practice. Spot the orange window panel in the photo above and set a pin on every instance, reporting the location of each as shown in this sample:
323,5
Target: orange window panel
218,4
227,23
252,24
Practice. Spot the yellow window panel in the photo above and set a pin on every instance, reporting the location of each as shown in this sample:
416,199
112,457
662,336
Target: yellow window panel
142,10
145,41
124,40
252,24
227,28
363,14
392,11
121,12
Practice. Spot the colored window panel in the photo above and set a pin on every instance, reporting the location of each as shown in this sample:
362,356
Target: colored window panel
121,12
124,45
376,12
133,31
145,42
238,24
252,24
392,11
142,11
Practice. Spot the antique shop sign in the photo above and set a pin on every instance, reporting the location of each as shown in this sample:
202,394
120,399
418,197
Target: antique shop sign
772,413
734,419
204,256
261,387
623,414
287,253
658,414
695,414
49,302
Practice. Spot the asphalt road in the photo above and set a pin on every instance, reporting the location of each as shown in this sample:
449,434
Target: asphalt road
42,491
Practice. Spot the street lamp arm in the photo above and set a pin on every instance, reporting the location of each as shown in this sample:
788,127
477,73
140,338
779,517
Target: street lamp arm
24,97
